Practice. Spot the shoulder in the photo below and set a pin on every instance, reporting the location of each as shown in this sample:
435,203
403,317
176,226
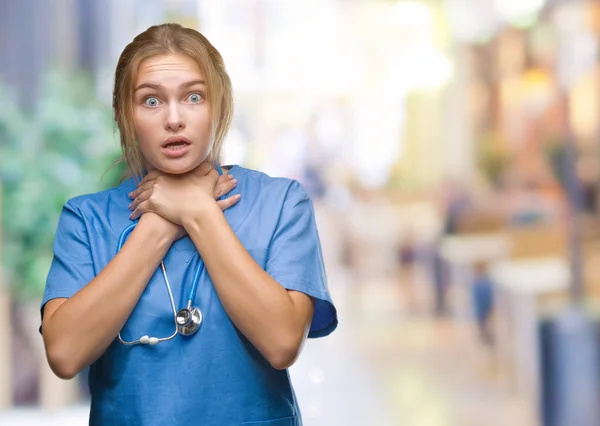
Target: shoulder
100,200
261,185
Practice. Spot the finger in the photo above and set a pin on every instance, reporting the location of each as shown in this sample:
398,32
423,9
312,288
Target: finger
224,188
228,202
139,199
143,187
214,175
153,174
144,207
223,179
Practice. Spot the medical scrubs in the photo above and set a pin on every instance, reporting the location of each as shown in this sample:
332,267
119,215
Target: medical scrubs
215,377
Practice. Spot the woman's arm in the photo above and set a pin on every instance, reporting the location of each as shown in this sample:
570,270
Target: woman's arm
274,319
78,330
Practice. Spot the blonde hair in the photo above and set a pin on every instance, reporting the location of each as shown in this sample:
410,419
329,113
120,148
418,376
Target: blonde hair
163,40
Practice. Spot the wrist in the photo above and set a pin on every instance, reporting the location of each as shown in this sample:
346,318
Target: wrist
163,232
202,217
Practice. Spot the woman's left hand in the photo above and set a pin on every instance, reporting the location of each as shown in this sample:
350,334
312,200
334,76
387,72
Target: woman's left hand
180,197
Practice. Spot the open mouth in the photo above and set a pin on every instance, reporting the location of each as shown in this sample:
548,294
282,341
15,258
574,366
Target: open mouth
176,145
177,142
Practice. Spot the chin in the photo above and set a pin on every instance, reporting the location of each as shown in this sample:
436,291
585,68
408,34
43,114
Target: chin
177,170
175,167
178,166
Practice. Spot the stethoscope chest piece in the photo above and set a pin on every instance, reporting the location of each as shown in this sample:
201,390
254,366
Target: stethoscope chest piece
188,320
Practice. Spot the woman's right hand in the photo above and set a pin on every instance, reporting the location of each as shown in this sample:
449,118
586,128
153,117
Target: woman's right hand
161,226
225,184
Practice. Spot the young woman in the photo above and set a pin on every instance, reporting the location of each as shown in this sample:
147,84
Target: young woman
188,310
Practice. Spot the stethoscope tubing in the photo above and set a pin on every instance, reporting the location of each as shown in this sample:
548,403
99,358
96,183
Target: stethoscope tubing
199,268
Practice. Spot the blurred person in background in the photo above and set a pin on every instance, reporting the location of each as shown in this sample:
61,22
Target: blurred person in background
482,297
455,204
253,257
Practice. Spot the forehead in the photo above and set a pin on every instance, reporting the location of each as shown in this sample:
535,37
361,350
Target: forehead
165,68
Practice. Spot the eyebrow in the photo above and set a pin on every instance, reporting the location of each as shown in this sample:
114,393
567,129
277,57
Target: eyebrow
157,86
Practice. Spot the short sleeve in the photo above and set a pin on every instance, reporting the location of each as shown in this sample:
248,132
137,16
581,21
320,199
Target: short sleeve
72,266
295,258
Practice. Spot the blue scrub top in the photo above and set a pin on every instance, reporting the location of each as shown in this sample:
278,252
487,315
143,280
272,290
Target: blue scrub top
215,377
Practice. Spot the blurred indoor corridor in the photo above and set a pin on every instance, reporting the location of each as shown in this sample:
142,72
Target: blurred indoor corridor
452,152
389,363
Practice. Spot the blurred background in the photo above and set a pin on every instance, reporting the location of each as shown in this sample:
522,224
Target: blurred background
451,148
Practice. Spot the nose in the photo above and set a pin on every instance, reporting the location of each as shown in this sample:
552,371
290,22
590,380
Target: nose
175,121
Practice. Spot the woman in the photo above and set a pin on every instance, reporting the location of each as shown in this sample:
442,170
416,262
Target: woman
261,286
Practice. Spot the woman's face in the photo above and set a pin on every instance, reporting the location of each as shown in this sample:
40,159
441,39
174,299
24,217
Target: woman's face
171,114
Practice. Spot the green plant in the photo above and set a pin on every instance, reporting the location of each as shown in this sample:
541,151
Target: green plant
58,151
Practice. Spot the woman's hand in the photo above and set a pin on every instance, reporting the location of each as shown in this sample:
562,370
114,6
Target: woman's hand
161,226
177,197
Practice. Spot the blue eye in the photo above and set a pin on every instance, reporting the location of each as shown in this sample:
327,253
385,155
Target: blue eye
195,98
151,101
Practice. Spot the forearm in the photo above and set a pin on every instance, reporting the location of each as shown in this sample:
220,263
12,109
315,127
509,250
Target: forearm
257,304
82,327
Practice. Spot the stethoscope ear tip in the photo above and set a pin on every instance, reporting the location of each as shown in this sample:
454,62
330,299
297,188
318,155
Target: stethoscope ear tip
146,340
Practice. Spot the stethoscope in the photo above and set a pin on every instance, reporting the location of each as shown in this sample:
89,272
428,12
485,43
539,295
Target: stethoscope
188,319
